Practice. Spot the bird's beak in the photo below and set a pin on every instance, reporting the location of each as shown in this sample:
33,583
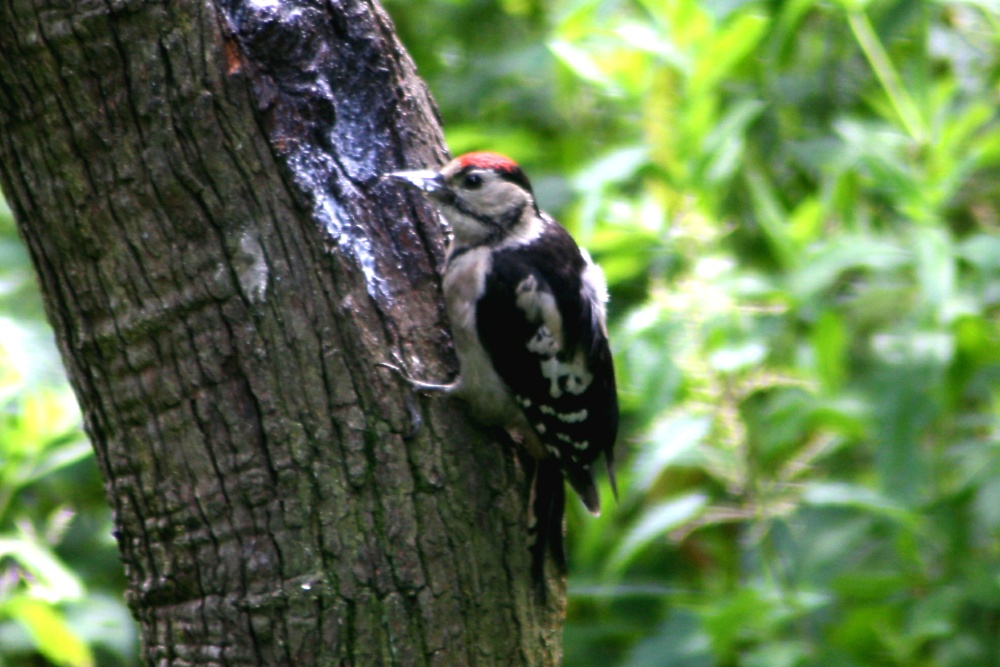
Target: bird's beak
426,180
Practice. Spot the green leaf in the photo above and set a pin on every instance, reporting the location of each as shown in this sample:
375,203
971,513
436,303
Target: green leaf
770,215
673,441
779,654
680,641
839,494
909,112
724,146
805,222
729,47
581,63
982,251
935,267
656,522
615,167
53,638
645,38
926,349
57,457
829,344
51,579
823,266
737,357
105,620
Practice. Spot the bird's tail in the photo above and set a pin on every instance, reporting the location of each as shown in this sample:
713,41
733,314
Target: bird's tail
548,503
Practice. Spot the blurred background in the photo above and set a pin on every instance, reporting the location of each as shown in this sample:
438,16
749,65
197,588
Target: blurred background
797,205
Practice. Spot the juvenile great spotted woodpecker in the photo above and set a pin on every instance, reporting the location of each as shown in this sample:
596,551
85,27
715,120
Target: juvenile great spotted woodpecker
527,312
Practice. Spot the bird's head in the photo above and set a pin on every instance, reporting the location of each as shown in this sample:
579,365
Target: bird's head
485,196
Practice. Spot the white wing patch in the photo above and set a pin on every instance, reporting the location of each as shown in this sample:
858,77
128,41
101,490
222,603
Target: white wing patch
582,445
540,305
565,417
573,417
595,289
572,376
543,342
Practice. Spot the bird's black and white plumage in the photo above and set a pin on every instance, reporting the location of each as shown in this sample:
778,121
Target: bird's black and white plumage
527,312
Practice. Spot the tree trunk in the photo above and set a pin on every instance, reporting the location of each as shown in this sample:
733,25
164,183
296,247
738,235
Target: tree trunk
199,188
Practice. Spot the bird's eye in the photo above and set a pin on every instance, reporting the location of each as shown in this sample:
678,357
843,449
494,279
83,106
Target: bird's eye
472,181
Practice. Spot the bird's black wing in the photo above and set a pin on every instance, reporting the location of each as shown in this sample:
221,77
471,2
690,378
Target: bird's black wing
541,322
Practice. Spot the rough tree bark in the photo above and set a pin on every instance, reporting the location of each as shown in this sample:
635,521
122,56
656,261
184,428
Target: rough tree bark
198,187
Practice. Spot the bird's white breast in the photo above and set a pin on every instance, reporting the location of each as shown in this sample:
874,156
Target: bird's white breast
479,384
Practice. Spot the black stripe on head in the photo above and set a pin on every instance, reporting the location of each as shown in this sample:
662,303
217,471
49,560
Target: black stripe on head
517,175
506,168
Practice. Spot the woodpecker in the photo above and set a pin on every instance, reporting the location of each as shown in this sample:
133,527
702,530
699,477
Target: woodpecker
527,312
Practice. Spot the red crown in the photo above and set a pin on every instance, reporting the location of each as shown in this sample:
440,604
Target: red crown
486,160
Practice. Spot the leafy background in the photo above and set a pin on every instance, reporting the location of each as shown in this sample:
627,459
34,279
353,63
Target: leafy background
796,205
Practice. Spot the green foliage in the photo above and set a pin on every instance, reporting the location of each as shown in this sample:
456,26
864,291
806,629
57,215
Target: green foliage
60,581
796,206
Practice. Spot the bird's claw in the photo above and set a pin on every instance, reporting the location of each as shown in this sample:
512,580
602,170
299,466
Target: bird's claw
418,385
